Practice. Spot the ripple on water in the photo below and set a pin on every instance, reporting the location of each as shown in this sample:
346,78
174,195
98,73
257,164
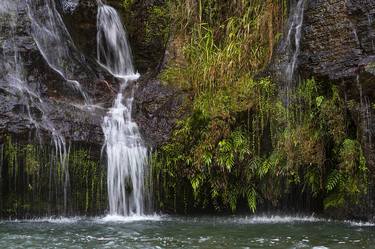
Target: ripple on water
127,219
60,220
57,220
359,224
278,219
190,232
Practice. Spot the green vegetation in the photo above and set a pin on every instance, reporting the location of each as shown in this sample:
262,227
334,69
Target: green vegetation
32,180
241,141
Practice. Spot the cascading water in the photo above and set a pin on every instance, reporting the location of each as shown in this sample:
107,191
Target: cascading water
17,85
69,5
54,40
291,44
290,49
365,112
127,156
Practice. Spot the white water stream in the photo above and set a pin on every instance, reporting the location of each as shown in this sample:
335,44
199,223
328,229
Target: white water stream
54,40
17,85
292,42
126,153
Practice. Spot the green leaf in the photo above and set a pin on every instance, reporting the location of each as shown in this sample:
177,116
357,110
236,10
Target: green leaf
251,199
319,100
333,180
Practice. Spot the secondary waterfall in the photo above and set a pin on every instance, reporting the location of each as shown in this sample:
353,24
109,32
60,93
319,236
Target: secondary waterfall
291,44
54,41
290,49
127,155
16,84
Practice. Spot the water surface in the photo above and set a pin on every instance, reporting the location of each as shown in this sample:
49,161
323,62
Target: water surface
186,232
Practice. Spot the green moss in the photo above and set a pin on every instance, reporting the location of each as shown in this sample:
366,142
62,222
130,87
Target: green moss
127,3
88,178
157,26
34,180
10,153
31,159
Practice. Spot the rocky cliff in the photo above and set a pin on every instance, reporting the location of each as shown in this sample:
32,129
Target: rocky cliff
65,106
338,46
40,103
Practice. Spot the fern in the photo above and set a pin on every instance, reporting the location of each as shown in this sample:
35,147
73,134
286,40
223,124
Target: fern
195,184
312,179
207,158
225,155
232,199
333,180
252,199
334,200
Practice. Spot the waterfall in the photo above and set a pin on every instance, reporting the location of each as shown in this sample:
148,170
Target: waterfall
291,44
69,5
290,49
54,40
16,84
365,112
127,155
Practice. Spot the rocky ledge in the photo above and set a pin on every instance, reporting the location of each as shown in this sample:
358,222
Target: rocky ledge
156,106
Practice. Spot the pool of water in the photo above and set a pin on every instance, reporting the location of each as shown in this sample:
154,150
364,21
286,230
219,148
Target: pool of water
186,232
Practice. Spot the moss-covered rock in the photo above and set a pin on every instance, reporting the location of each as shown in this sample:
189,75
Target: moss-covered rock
33,182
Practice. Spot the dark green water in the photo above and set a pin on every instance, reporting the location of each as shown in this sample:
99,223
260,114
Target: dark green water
186,232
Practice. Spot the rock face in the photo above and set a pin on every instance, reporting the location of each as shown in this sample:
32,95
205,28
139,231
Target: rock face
37,102
337,47
30,90
145,23
338,37
64,105
338,44
157,108
148,28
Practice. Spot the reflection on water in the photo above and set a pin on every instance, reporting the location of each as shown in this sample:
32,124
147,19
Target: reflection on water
186,232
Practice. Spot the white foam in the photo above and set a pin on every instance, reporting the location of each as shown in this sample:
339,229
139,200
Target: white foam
58,220
128,219
359,223
278,219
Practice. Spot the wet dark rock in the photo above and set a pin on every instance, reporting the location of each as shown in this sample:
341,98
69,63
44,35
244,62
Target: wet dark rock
37,102
157,107
63,103
147,30
338,36
338,45
338,48
81,24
